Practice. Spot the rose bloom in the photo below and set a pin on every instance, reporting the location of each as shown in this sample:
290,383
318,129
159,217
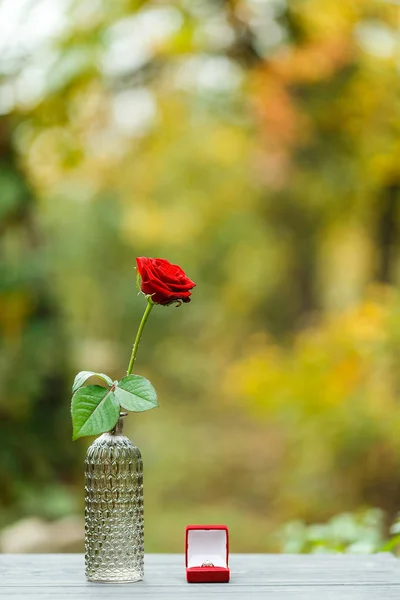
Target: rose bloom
164,282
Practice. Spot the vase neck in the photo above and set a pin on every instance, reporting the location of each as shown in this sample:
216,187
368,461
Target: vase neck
119,426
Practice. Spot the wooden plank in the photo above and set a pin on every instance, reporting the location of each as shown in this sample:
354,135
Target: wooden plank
284,577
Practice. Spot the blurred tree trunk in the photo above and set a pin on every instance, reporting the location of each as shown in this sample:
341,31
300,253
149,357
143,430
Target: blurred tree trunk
34,409
387,232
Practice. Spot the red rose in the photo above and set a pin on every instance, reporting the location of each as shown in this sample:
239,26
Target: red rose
164,282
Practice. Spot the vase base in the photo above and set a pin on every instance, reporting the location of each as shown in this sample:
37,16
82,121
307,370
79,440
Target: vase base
119,580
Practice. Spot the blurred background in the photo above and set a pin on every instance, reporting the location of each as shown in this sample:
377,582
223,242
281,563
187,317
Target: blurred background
256,144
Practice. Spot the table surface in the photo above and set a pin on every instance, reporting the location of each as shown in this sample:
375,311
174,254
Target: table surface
282,577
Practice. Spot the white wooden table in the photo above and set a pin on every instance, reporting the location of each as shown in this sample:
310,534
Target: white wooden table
254,576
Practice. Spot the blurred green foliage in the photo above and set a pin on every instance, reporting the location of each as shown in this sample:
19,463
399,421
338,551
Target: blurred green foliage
360,533
256,144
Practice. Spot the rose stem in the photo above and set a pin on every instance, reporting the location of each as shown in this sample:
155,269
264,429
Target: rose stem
146,313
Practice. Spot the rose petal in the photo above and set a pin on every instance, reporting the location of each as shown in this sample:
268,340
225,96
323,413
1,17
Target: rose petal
164,281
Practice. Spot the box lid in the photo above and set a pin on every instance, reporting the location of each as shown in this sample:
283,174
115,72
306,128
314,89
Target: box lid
207,543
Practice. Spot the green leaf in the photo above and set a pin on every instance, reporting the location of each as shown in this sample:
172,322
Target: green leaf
94,410
136,393
391,544
84,376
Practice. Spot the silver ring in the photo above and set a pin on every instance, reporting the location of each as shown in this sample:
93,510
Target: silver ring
207,563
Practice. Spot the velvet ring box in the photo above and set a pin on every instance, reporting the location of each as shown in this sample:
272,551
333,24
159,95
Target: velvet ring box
207,545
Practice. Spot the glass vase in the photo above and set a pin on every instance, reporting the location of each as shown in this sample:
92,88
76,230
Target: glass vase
114,545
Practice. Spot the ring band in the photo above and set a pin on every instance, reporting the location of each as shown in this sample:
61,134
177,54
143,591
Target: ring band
207,563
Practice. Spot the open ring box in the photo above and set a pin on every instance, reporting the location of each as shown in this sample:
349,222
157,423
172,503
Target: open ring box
207,544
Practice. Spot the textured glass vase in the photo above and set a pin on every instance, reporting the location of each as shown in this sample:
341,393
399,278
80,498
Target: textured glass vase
114,548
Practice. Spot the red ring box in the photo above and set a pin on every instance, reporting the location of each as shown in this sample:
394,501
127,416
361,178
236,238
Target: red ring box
207,543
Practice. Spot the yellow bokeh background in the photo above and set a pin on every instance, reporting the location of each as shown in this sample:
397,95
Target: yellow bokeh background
256,144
